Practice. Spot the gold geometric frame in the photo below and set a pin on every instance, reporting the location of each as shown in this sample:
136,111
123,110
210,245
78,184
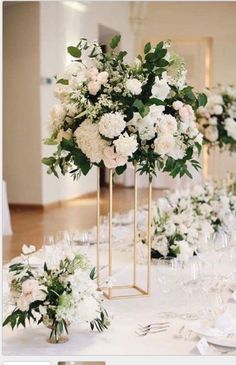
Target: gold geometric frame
135,290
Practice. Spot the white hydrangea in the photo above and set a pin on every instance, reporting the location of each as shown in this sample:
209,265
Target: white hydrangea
160,89
111,124
134,86
89,141
126,145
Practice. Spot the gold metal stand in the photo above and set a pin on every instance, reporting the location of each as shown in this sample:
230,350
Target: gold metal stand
133,288
205,163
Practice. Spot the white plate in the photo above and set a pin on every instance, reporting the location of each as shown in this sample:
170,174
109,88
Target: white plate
223,341
232,286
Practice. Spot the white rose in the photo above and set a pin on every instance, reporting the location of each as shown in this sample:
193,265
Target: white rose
57,114
211,133
199,138
64,134
185,250
164,144
88,309
146,129
92,73
112,159
156,112
62,92
111,124
177,153
102,77
23,303
29,285
89,140
160,89
170,229
212,121
186,114
134,86
160,243
167,124
177,105
73,69
28,249
94,87
217,109
230,127
126,145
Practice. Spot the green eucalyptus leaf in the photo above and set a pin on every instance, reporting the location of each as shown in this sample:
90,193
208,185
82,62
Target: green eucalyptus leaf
202,100
147,48
63,82
115,41
74,51
120,169
49,161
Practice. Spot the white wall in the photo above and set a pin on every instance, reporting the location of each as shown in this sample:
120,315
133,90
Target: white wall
36,36
61,26
21,108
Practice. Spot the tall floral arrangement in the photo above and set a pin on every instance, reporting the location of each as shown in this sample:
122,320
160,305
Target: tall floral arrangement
110,113
56,296
217,120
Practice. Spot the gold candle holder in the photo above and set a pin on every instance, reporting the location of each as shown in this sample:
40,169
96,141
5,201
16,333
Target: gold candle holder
134,289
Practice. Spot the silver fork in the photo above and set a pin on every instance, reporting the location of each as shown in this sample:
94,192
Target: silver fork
152,328
158,324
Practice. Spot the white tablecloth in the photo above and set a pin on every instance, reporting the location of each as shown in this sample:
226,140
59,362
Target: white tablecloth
7,230
120,339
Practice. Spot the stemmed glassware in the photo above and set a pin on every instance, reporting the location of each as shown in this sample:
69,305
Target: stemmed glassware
167,278
191,284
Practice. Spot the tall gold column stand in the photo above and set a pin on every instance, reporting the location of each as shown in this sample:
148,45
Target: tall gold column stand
205,163
115,292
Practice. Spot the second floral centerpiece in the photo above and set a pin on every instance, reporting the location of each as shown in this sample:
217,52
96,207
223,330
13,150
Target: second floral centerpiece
57,296
111,113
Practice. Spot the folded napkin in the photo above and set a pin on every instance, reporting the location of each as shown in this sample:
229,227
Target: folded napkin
234,295
222,325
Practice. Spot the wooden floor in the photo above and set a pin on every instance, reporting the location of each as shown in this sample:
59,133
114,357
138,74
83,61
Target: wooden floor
31,225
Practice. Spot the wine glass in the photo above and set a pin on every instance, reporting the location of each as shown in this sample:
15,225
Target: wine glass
81,240
167,276
191,284
63,238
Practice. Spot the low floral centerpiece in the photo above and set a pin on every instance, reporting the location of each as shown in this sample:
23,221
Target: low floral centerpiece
217,119
185,221
56,296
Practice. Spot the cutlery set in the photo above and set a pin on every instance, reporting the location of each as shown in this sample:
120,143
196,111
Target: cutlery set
152,328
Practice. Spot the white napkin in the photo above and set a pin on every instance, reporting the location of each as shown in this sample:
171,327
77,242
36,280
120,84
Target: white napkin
223,325
234,295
